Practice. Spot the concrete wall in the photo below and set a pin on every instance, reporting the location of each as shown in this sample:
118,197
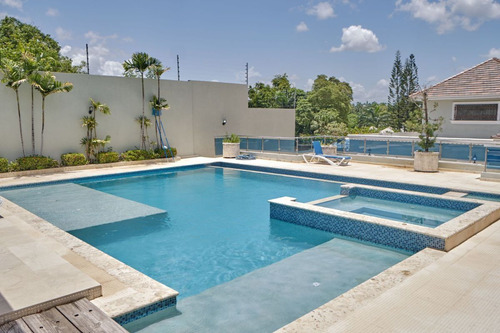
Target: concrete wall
194,119
463,129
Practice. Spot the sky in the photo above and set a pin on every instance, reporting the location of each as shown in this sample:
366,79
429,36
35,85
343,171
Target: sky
353,40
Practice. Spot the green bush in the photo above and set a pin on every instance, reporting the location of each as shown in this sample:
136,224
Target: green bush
72,159
161,152
139,155
108,157
4,164
33,163
231,139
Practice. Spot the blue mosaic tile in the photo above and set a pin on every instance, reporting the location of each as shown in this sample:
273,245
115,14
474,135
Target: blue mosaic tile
342,179
408,198
145,311
107,177
379,234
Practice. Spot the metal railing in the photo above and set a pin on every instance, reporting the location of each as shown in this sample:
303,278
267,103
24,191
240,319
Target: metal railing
471,150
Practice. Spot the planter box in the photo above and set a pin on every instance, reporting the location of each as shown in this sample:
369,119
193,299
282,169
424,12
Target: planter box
426,161
230,150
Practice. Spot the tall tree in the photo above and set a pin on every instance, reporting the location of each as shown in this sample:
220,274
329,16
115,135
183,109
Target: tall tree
395,94
13,77
404,82
139,64
17,38
158,103
46,84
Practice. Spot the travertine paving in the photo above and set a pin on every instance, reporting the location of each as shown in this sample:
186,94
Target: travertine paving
458,292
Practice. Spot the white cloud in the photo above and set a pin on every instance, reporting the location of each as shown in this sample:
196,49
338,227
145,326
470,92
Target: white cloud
494,53
252,73
301,27
309,84
52,12
356,38
66,50
431,80
63,34
322,11
18,4
446,15
101,60
112,68
378,93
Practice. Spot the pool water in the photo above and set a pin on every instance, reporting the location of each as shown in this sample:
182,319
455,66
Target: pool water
217,225
393,210
217,246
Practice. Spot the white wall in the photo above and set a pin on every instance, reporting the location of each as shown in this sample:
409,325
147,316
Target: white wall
479,130
194,119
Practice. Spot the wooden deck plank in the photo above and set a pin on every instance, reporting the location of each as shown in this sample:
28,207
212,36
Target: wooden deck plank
89,318
50,321
16,326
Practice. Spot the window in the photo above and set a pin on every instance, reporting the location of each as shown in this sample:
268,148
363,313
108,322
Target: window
483,112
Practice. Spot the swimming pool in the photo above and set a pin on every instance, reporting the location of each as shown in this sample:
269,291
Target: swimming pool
217,245
398,211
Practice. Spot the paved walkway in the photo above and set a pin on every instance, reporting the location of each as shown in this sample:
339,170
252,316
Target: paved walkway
460,292
457,293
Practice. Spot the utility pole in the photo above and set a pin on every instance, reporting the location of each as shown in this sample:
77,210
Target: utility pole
178,70
87,50
246,74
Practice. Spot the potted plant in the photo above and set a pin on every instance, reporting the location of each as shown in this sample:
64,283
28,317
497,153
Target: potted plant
425,160
231,146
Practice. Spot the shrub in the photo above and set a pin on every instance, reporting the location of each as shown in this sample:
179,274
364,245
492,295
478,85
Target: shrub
33,163
139,155
231,139
108,157
161,152
72,159
4,164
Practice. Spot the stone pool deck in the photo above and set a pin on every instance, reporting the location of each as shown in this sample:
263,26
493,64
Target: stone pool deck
458,291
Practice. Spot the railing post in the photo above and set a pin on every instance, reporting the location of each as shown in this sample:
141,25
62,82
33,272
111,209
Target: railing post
296,145
440,149
413,148
279,145
364,146
262,145
470,152
247,143
388,147
485,157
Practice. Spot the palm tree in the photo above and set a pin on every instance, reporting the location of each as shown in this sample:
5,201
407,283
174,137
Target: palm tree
157,71
139,64
14,76
47,84
145,122
98,106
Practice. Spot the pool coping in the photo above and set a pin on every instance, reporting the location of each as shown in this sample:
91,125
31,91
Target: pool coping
131,294
160,168
443,237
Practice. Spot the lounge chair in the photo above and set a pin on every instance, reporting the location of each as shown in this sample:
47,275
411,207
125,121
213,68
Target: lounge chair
319,156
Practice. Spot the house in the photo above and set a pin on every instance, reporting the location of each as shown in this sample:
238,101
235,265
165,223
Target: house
468,102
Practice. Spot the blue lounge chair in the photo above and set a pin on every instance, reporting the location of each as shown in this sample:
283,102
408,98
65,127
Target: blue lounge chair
319,156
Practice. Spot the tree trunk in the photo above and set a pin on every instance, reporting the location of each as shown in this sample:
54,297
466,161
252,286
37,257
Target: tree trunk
20,122
143,121
43,125
32,121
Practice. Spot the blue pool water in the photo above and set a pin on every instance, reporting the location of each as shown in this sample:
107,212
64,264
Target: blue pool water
398,211
217,225
217,246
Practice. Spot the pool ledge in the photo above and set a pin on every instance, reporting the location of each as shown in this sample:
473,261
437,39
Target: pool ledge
127,294
387,232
